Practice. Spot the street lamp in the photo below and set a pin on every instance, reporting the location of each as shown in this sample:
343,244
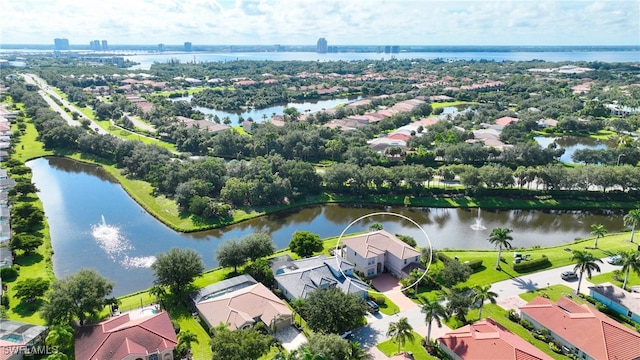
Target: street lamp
619,156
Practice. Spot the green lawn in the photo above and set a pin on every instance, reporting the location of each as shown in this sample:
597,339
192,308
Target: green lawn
389,307
558,256
437,105
633,280
390,348
553,292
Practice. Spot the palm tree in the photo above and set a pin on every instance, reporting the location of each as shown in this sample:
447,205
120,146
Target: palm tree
60,337
585,262
185,339
501,238
598,231
356,352
401,331
433,311
632,219
482,294
630,260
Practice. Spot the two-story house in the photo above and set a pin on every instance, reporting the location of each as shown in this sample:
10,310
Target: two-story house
373,253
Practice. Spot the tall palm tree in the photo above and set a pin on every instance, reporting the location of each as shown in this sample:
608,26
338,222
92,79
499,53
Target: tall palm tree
630,260
598,231
501,238
585,262
433,311
632,219
482,294
401,331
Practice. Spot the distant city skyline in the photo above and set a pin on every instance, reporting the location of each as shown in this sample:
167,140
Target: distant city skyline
340,22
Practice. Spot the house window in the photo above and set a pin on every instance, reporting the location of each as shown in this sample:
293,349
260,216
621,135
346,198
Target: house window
405,261
371,261
629,313
370,272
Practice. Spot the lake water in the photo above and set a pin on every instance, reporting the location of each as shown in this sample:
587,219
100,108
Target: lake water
571,144
77,197
257,114
146,60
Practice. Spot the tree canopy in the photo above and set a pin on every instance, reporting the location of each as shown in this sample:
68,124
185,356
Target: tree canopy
240,344
177,268
78,296
331,311
305,243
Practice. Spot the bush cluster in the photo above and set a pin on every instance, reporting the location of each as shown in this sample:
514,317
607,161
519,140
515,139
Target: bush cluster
535,264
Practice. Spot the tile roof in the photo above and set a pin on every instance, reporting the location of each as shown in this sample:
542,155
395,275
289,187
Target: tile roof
585,328
379,242
243,306
506,120
485,339
118,337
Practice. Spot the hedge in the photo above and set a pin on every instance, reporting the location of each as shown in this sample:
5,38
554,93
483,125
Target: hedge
474,264
528,265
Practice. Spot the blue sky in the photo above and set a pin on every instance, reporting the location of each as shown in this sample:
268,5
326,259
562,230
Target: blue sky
341,22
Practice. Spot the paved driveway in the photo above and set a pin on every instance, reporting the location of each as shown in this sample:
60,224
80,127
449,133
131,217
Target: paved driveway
390,287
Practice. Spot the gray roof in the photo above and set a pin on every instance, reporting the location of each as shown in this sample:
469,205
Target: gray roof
629,300
6,258
319,272
223,287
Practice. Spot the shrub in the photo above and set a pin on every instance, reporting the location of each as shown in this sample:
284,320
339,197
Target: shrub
513,315
444,258
535,264
9,273
380,300
555,347
474,264
526,324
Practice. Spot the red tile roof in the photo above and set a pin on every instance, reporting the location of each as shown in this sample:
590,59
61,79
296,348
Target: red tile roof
118,337
485,339
506,120
585,328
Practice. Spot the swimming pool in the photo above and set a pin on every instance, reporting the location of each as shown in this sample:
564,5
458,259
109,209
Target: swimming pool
13,338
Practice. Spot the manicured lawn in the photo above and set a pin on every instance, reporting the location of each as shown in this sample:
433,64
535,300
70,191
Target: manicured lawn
633,280
390,348
558,256
437,105
553,292
389,307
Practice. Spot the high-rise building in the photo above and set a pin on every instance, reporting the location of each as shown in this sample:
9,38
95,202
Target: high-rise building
187,46
61,44
395,49
105,45
95,45
160,47
321,47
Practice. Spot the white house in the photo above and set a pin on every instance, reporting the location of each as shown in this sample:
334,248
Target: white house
377,251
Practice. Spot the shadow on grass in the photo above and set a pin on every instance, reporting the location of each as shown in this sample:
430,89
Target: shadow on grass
28,259
26,309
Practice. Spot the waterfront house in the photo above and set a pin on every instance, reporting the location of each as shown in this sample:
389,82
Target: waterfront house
375,252
241,302
297,279
485,339
582,330
623,302
139,335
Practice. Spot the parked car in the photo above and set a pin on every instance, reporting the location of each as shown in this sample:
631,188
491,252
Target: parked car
568,275
373,307
614,260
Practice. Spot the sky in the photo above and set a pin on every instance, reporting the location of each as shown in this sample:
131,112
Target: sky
341,22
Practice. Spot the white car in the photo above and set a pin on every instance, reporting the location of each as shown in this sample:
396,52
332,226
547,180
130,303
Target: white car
614,260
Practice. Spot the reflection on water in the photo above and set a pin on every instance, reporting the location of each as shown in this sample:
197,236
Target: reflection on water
76,196
570,144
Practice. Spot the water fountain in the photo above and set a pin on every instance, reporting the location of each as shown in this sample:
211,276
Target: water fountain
117,246
478,224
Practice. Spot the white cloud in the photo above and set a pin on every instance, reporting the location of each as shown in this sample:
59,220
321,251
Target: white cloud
342,22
